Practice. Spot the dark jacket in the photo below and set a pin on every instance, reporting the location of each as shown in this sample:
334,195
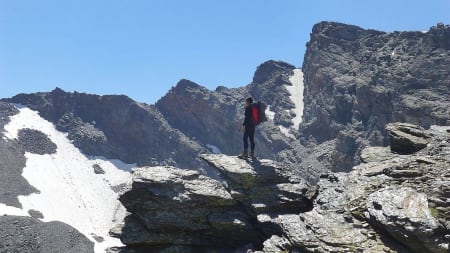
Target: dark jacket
248,120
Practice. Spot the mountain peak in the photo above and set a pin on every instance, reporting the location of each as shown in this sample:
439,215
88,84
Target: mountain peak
185,84
341,31
266,70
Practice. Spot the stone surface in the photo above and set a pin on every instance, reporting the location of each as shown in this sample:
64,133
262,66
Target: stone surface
170,206
406,138
98,169
398,203
29,235
36,142
405,214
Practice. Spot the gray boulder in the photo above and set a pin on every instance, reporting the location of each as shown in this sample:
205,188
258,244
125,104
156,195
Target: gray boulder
405,214
406,138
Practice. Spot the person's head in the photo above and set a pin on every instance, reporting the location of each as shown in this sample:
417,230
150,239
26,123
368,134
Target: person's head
248,101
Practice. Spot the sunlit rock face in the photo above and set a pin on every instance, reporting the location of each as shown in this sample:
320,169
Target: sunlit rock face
358,80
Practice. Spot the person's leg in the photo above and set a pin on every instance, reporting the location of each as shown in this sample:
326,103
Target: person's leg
251,136
245,140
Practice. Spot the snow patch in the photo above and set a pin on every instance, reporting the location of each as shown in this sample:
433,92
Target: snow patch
296,96
270,114
70,191
11,210
286,131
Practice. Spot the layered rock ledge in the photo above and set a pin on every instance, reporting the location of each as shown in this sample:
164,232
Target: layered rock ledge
171,206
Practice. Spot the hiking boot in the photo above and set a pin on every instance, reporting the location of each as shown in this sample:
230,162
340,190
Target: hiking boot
243,154
251,155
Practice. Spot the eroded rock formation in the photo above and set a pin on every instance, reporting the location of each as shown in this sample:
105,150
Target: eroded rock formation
171,206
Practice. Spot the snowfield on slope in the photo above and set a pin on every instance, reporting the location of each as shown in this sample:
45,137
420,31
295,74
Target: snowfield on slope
296,91
296,95
70,190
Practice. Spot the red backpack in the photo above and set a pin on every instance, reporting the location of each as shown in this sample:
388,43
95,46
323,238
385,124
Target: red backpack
259,112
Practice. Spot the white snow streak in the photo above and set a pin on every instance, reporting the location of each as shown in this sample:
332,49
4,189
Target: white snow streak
270,114
296,91
286,131
70,191
10,210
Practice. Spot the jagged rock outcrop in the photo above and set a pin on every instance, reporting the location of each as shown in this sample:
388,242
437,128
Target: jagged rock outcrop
357,81
170,206
390,203
115,127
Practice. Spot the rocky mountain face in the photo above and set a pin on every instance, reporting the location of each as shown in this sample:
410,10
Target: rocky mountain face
357,81
114,127
397,200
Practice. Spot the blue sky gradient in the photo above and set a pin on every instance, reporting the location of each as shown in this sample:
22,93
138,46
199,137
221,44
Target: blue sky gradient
143,48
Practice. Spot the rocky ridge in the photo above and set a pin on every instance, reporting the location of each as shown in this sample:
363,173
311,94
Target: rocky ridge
114,127
390,203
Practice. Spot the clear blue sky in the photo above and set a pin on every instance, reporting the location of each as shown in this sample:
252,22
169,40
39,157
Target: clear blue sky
141,48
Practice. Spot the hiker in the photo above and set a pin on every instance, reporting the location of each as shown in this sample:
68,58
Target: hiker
249,130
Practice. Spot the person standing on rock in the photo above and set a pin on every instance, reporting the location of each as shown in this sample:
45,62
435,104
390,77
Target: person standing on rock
248,126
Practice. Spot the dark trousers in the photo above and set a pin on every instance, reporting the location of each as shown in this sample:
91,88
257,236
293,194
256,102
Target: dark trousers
249,133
